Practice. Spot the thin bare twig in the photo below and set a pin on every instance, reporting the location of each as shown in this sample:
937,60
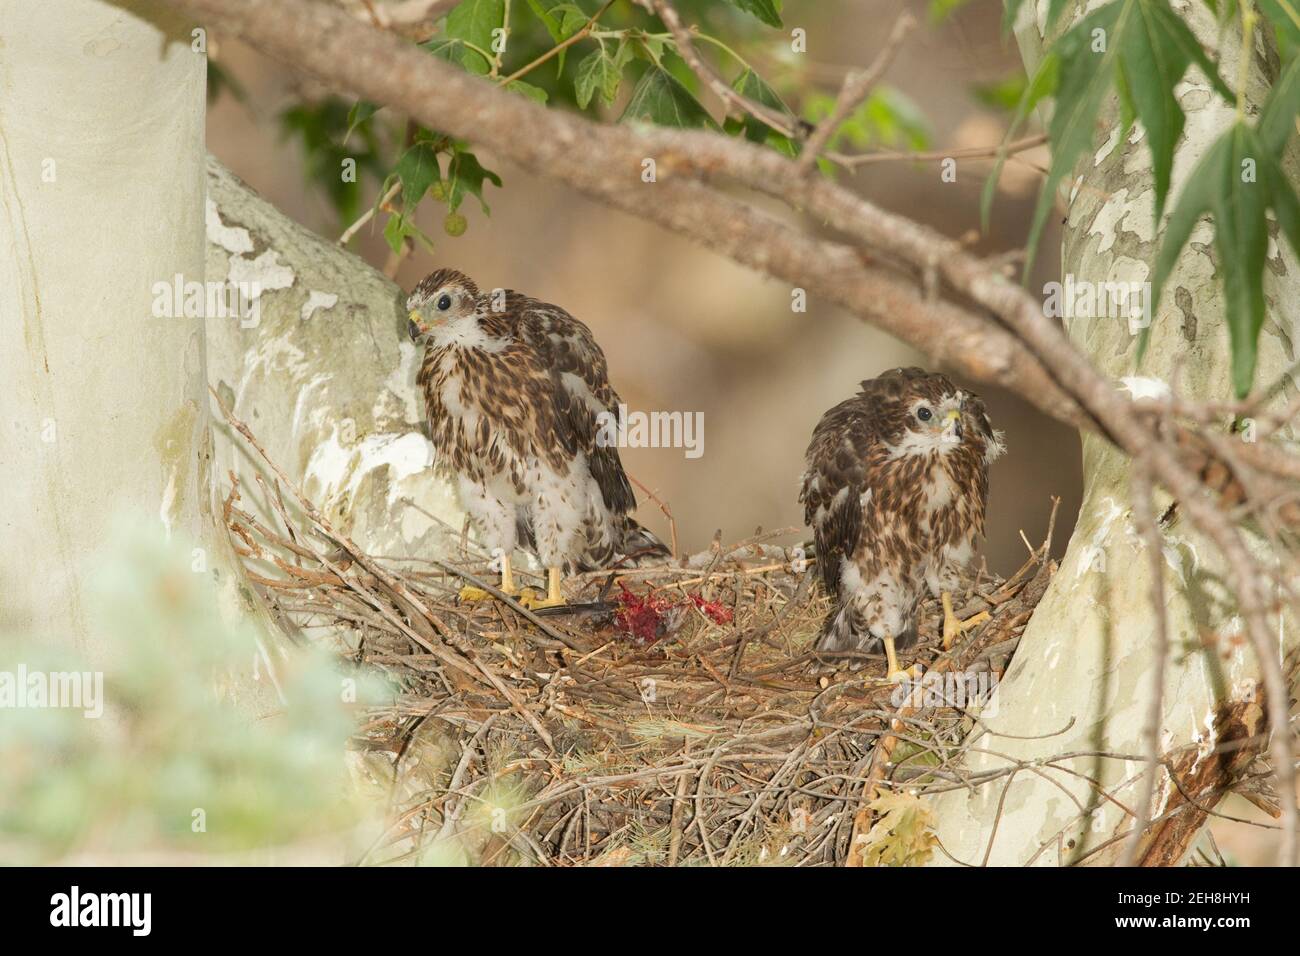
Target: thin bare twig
734,100
857,87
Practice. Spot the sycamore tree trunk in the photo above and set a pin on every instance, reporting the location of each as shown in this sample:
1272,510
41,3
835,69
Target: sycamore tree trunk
1082,679
134,271
103,411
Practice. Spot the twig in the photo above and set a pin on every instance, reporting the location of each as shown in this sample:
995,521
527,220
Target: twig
369,214
672,522
857,87
582,34
734,100
852,160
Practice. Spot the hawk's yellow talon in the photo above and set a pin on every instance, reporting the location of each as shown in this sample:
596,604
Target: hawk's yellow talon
893,673
554,598
507,586
953,627
898,676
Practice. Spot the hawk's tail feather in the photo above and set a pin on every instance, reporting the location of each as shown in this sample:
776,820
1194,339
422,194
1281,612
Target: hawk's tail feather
838,633
641,546
632,546
844,630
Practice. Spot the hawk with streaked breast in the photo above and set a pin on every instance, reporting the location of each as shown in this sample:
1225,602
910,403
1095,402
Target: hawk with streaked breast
894,490
515,390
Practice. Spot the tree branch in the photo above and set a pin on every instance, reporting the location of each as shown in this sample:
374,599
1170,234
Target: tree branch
606,162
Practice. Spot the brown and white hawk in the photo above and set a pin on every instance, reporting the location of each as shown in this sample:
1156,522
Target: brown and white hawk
894,490
515,389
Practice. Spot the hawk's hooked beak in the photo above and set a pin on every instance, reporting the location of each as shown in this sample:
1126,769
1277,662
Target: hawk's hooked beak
952,425
415,325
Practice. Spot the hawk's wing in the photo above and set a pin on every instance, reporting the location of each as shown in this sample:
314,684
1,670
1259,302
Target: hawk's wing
580,390
836,479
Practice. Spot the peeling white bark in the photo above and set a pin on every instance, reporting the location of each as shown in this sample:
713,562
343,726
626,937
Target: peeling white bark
325,378
1083,671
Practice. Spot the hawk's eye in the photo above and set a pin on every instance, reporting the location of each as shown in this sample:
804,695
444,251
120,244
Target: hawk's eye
924,414
443,303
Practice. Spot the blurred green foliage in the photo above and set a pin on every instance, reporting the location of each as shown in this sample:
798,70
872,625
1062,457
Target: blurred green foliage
339,151
1004,94
174,770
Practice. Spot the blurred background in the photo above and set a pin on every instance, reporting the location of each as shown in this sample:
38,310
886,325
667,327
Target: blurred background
684,329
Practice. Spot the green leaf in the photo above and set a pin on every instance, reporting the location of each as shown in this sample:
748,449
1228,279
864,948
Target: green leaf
647,46
1155,55
361,112
660,98
1219,187
544,10
1152,47
418,170
891,118
1277,120
535,93
1285,17
467,176
600,72
1043,84
473,22
769,11
221,81
321,128
395,230
1012,7
572,19
1181,36
1127,108
886,118
1085,76
941,10
1005,94
561,19
1286,207
754,87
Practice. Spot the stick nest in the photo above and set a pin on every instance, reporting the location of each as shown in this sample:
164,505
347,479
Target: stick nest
684,718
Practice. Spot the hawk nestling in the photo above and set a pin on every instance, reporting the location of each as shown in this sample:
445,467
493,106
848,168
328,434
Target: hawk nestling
513,388
895,487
